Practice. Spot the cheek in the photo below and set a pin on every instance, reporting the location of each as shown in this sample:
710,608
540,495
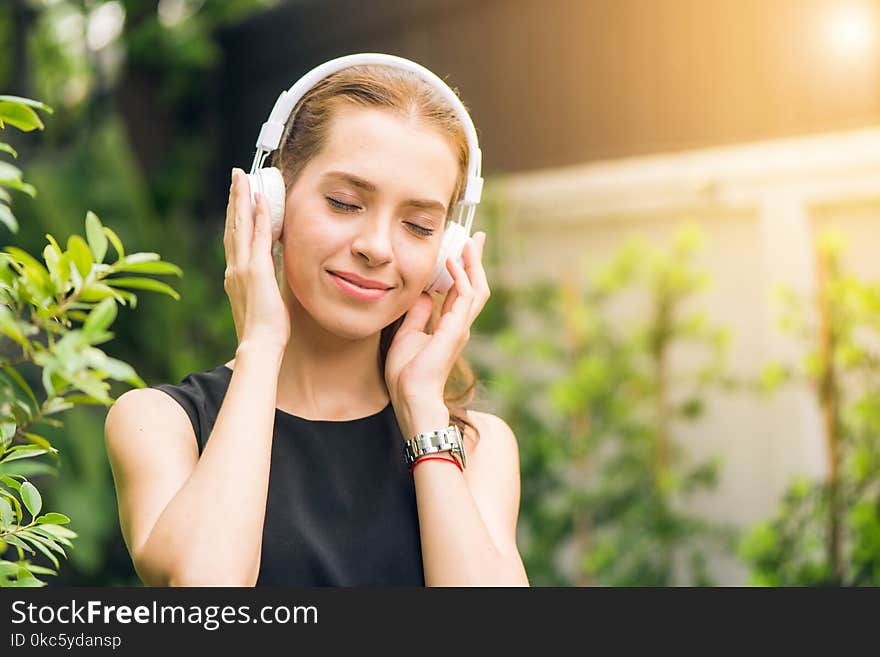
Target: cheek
417,264
307,232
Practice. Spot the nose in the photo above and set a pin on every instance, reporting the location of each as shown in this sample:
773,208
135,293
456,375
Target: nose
373,240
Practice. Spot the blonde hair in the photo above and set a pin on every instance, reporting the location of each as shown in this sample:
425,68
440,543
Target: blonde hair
403,92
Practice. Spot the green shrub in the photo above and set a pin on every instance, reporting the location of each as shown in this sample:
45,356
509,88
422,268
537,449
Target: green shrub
53,314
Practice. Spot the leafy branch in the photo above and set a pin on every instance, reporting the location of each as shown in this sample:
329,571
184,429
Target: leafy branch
53,314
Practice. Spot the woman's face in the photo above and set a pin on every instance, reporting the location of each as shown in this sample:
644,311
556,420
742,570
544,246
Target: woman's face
373,201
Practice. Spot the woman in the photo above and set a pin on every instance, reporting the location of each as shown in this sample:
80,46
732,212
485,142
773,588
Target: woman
284,466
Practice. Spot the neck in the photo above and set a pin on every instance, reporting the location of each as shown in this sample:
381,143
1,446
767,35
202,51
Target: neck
327,377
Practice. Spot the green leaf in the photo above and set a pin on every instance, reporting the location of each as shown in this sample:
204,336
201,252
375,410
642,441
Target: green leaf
144,284
9,481
59,533
10,176
54,243
21,116
100,318
15,503
31,498
11,327
151,268
97,238
12,540
20,411
40,545
112,367
82,256
143,256
115,241
13,373
53,518
6,515
45,540
129,297
30,102
89,383
6,148
7,568
7,218
26,581
81,399
56,405
29,262
97,292
55,272
28,452
7,431
40,441
41,570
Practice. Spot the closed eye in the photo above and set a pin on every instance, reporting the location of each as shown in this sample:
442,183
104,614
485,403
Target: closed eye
346,207
339,205
420,230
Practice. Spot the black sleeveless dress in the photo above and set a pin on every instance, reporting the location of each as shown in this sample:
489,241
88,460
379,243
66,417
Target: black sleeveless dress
341,506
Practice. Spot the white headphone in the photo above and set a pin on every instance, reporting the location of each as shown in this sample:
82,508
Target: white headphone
270,182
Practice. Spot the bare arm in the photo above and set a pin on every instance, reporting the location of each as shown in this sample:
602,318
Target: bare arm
476,544
198,521
190,521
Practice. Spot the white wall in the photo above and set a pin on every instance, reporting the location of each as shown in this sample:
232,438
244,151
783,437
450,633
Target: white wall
760,206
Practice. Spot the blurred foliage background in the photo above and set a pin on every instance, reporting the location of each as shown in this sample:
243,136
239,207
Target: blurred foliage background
129,86
597,398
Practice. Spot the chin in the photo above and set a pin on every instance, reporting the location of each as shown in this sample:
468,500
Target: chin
353,330
349,323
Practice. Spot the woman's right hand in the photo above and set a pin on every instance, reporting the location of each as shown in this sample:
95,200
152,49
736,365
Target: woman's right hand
259,312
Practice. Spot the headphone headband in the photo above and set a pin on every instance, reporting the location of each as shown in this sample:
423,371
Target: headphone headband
270,134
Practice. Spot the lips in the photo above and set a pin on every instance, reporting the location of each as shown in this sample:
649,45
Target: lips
360,281
355,291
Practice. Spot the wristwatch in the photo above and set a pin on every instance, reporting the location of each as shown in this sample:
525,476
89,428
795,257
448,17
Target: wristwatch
439,440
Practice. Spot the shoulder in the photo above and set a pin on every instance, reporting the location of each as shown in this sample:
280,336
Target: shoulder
145,433
138,406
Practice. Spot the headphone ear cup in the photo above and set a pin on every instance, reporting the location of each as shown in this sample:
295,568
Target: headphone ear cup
270,183
454,238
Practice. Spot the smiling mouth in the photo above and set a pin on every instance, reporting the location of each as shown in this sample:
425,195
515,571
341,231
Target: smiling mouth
348,280
356,291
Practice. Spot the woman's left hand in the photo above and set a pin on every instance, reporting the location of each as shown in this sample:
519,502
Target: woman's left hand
418,364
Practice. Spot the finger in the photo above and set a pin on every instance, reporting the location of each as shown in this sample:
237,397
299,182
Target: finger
477,274
457,320
262,245
243,228
459,275
451,296
454,291
418,315
230,214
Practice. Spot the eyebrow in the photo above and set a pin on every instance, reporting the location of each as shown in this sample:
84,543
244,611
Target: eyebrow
366,185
